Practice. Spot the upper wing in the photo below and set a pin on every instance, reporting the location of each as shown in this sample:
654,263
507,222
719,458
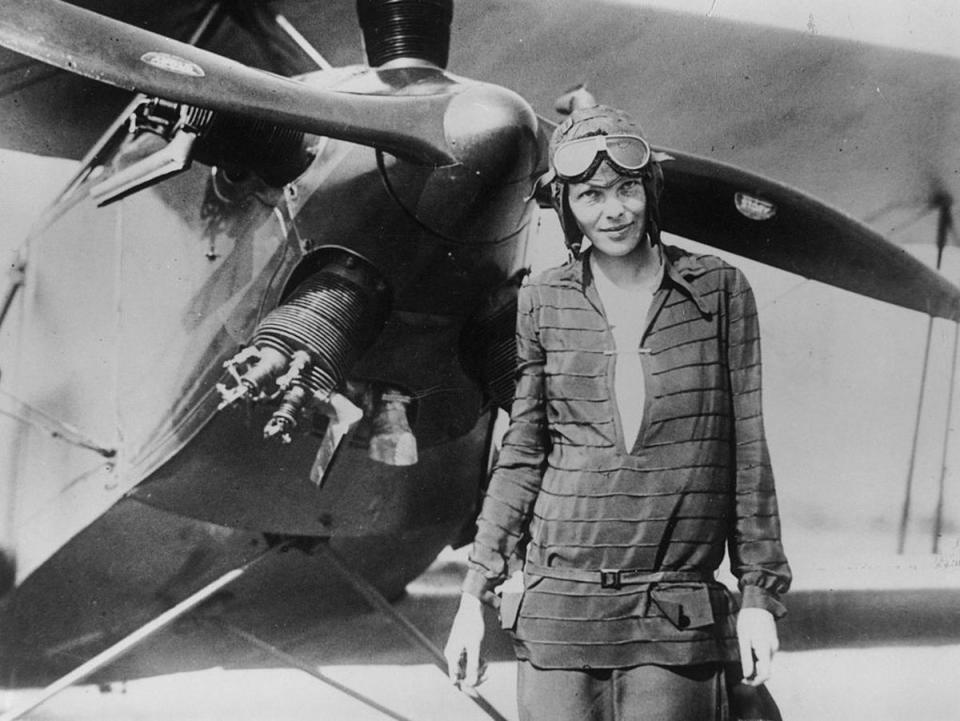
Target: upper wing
872,130
760,219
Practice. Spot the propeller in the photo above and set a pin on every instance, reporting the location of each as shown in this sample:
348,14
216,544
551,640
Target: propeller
705,201
113,52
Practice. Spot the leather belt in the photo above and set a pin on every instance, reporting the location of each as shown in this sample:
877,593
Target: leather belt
618,577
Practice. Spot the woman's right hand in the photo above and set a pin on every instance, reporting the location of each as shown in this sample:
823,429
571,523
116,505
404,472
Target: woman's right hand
463,645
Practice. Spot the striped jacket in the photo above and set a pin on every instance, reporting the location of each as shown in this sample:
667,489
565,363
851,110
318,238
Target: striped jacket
579,497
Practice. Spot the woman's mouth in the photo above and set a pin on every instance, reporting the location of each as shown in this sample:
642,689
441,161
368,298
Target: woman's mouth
616,230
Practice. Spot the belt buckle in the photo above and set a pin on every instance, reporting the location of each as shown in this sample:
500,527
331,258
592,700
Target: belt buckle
610,578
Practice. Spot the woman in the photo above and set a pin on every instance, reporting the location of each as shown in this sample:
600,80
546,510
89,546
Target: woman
635,455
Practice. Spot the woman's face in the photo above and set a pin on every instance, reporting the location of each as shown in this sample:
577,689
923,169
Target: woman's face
611,210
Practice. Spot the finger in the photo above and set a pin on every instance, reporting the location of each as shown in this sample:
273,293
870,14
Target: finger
761,667
447,655
482,673
471,671
453,656
764,663
471,689
746,657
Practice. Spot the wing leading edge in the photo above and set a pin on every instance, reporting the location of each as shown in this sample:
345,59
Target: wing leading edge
757,218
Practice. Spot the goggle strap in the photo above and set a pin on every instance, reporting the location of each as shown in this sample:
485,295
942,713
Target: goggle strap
548,177
540,183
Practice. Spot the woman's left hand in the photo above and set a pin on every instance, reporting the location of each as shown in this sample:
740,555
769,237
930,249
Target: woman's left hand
757,634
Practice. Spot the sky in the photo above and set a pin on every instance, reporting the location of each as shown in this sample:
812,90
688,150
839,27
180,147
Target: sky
926,25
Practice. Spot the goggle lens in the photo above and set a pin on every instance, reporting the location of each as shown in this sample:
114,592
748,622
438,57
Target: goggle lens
577,157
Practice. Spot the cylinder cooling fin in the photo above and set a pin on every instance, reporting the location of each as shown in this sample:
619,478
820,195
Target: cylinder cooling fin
302,350
275,153
394,29
489,346
332,316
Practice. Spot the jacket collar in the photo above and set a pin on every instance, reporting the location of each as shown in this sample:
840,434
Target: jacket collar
683,268
680,270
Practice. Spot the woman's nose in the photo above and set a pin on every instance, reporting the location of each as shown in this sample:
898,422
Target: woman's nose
614,207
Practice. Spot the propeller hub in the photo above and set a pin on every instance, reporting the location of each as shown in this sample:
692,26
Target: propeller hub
492,132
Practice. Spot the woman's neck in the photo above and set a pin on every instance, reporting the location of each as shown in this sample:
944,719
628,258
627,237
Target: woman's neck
635,271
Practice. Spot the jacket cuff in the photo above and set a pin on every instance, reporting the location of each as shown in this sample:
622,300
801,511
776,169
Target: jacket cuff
476,584
757,597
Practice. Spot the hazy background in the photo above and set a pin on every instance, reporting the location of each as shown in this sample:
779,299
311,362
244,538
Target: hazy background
842,385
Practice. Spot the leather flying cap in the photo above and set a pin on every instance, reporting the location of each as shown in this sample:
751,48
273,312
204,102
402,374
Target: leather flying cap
603,120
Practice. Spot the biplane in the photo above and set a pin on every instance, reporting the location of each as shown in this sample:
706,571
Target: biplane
264,334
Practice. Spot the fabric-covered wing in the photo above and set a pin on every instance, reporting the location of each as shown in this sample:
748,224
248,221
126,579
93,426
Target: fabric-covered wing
757,218
873,130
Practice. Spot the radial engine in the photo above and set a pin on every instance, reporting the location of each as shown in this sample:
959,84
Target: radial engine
302,350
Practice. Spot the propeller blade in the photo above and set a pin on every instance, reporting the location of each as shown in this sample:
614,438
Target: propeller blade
112,52
757,218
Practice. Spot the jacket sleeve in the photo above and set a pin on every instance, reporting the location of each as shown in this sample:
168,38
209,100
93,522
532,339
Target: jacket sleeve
756,553
516,478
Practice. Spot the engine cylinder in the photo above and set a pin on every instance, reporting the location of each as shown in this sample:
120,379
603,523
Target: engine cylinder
395,29
275,153
489,346
333,315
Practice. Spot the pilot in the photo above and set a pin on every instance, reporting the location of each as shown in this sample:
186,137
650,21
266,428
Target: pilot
635,456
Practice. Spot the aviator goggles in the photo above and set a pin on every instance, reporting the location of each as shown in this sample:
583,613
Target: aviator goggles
577,160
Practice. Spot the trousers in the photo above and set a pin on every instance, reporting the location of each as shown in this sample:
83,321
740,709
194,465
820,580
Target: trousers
640,693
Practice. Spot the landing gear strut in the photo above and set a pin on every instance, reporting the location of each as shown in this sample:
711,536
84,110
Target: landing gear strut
131,641
376,599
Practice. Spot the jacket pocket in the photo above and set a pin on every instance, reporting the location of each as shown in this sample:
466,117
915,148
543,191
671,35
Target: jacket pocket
686,608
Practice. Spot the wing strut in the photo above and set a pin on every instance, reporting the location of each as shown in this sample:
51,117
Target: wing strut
304,44
944,229
16,283
948,424
943,204
134,639
305,667
376,599
908,491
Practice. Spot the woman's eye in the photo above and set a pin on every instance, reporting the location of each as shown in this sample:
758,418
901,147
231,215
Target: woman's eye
631,187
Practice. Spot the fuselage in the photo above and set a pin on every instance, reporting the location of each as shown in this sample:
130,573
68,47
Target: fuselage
132,310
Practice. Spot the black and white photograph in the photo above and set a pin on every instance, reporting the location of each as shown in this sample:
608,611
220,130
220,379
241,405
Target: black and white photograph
510,360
